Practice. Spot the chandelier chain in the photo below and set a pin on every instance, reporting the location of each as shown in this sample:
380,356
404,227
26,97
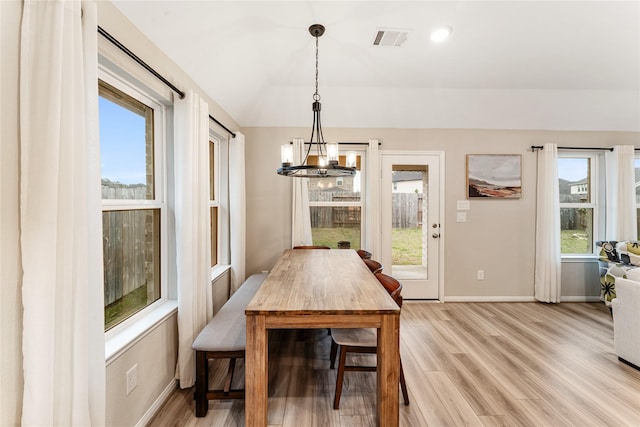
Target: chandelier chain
316,96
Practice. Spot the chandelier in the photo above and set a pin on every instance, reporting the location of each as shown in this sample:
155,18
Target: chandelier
326,160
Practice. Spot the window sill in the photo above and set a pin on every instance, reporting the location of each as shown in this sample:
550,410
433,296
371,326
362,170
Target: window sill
218,271
579,258
124,339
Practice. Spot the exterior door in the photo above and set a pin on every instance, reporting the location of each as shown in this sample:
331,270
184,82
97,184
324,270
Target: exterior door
410,222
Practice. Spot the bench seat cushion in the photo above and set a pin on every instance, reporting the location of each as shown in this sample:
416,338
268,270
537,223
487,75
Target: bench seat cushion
227,330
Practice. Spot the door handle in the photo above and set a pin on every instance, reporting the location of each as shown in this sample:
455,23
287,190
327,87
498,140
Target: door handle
435,235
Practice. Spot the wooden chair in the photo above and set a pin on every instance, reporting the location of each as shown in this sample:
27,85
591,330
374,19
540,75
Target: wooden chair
311,247
363,340
373,265
364,254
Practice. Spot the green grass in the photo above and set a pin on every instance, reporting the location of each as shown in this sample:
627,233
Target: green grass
406,244
575,242
120,309
331,236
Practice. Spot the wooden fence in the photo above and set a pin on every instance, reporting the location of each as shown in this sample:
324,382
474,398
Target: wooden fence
574,218
119,191
335,216
406,210
128,237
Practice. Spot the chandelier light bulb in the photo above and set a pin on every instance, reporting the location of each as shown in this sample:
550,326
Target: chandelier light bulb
287,154
332,153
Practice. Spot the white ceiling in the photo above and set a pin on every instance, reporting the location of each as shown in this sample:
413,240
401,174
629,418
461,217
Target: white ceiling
566,65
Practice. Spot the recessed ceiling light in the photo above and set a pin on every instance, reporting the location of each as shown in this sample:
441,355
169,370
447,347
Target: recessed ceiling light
440,34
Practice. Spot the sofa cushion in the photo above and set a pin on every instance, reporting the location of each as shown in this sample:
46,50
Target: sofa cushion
608,251
629,252
633,274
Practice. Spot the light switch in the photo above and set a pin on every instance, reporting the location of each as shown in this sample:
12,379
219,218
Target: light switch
461,217
464,205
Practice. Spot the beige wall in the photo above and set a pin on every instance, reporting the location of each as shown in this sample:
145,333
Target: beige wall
498,237
10,285
155,356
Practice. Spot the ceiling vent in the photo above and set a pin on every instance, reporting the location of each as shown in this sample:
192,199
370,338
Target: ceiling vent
386,37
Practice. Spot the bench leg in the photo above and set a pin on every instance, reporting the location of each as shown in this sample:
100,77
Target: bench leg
232,368
202,383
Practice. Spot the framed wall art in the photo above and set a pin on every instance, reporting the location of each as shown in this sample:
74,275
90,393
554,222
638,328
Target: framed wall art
494,176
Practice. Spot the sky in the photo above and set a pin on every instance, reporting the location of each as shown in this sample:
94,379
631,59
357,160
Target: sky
572,169
122,144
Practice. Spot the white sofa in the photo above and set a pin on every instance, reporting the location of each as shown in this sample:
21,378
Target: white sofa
626,321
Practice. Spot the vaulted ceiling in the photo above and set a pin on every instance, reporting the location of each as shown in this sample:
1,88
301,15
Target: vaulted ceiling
560,65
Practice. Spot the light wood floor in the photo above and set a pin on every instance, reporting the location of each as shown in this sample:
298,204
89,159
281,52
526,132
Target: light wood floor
482,364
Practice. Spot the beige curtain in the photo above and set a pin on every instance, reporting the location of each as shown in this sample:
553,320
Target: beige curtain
547,256
621,193
60,216
193,253
237,210
300,214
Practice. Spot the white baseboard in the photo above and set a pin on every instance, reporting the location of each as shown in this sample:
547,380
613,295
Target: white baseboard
157,404
580,298
488,299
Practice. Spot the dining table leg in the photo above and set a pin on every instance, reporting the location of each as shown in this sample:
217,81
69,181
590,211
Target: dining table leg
256,375
388,356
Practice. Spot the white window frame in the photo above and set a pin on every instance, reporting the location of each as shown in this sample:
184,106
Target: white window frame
221,192
596,197
160,193
214,203
362,152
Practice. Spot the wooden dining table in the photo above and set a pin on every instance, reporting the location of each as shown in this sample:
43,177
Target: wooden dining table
321,289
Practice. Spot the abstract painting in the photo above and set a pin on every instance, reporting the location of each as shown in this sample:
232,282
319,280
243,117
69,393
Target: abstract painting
495,176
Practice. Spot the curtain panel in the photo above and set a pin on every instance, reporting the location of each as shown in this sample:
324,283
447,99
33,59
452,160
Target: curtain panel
621,222
547,268
300,214
60,216
237,210
193,252
371,240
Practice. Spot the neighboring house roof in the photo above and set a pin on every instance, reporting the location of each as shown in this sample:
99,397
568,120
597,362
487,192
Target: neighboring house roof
401,176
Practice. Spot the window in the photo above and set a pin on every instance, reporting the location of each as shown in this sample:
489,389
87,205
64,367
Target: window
578,203
133,207
213,202
336,208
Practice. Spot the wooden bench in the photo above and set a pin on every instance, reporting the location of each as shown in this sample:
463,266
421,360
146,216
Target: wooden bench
224,337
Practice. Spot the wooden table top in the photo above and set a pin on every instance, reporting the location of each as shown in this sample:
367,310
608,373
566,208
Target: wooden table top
321,281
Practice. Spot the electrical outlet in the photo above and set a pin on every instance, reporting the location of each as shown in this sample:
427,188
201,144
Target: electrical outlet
480,275
132,378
